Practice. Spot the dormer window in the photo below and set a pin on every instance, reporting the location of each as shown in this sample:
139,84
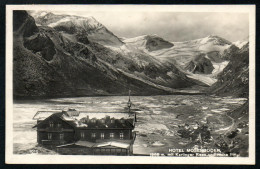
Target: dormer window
93,120
51,123
112,121
103,121
122,120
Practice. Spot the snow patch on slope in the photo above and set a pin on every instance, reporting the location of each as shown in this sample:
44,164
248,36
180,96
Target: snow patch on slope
86,22
135,39
218,67
240,44
58,22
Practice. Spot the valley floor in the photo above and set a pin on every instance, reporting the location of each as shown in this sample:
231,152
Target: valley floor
159,120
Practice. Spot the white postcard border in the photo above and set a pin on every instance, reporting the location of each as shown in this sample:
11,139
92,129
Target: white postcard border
80,159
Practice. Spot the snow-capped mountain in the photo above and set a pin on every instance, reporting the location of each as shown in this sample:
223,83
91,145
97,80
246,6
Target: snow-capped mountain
51,60
240,44
70,56
70,24
182,54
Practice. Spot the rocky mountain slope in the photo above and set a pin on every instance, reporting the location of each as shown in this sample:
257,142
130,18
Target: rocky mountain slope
49,60
129,60
48,64
234,80
200,64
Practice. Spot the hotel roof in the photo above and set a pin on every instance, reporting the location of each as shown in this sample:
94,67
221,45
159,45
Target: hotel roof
89,119
41,115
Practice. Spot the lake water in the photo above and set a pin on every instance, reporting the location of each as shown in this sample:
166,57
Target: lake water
158,117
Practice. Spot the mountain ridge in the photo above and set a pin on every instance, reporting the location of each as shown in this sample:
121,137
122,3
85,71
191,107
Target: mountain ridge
78,57
74,65
76,24
182,54
64,74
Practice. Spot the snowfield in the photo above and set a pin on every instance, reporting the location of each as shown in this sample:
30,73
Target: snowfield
182,53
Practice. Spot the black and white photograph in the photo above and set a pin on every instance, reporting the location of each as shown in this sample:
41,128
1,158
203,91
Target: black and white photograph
166,84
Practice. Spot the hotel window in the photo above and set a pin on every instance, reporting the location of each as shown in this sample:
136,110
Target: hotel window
121,135
51,124
102,135
61,136
82,134
112,135
59,124
49,136
93,135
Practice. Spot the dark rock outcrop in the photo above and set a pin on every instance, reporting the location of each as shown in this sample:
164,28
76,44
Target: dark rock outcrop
21,19
215,56
200,64
227,54
154,43
40,44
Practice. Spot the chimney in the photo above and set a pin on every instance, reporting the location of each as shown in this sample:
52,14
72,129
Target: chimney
107,118
87,119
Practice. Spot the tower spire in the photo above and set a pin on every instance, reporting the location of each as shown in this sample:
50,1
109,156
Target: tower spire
129,103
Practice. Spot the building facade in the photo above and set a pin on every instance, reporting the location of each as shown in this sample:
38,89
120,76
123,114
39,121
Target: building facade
74,132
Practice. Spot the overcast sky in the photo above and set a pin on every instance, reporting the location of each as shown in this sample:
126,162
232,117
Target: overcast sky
173,26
